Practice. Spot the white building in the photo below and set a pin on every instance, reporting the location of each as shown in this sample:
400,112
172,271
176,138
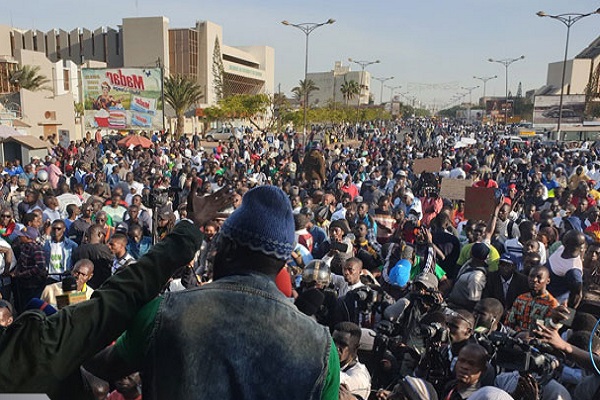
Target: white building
138,42
330,85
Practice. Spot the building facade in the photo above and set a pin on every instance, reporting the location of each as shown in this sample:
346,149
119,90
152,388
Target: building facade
198,52
330,86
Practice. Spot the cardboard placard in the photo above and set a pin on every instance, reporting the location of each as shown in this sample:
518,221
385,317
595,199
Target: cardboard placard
454,189
421,165
480,203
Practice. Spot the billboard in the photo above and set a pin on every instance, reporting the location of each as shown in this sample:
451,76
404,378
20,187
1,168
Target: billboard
122,98
546,110
496,108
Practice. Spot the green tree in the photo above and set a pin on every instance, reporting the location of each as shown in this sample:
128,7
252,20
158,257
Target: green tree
29,77
251,107
304,89
181,93
79,109
350,89
218,71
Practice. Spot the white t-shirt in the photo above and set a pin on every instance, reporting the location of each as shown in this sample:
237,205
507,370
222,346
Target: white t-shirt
56,258
4,244
357,379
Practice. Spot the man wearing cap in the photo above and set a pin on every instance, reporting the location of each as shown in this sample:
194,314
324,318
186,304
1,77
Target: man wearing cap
471,280
506,283
411,205
31,271
234,322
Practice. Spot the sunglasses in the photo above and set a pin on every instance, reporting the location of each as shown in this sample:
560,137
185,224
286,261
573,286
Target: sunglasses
6,216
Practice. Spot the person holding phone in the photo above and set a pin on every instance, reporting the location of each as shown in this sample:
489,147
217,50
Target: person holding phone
535,305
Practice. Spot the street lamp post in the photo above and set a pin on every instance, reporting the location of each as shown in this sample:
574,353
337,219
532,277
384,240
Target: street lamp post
307,28
470,90
392,90
382,81
507,63
485,80
568,19
363,65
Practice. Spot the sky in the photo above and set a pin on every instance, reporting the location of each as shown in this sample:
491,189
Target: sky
432,48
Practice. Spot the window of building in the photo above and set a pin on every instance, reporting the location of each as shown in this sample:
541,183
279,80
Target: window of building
66,79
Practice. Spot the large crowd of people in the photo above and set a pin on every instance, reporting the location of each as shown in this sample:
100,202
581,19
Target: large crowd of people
384,288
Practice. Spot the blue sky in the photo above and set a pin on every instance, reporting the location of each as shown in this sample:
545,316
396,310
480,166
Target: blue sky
419,42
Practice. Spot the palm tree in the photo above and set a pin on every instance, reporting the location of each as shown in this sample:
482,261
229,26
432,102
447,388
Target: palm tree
181,93
304,90
350,89
29,77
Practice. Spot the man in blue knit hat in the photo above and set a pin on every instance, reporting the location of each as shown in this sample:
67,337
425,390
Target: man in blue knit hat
237,337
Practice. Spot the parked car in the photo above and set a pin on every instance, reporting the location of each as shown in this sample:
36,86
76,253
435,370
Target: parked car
554,112
223,133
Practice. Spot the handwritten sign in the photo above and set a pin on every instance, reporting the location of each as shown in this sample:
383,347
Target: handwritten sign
421,165
454,189
480,203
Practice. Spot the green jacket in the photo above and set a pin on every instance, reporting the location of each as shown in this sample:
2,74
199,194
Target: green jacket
40,354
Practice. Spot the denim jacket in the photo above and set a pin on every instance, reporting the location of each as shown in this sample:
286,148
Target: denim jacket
67,251
235,338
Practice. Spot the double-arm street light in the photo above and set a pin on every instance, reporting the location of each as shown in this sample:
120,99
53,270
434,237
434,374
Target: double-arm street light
382,81
470,90
363,65
485,80
568,19
392,90
307,28
507,63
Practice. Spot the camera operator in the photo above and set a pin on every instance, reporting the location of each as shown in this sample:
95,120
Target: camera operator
356,305
407,315
549,388
589,387
461,325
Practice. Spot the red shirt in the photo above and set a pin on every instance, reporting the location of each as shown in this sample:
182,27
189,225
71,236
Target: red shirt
489,184
352,190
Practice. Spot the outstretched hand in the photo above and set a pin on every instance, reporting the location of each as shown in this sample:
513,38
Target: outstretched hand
202,209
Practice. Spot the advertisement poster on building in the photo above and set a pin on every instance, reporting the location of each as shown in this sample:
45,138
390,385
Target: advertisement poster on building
547,108
122,98
496,108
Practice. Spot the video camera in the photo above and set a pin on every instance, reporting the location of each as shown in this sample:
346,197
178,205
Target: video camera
435,333
513,354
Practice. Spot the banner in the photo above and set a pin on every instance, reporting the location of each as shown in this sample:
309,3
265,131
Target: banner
547,108
122,98
497,108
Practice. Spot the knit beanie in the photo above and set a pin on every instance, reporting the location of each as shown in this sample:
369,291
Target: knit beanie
264,222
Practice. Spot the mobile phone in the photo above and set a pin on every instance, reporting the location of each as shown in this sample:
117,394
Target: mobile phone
569,321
